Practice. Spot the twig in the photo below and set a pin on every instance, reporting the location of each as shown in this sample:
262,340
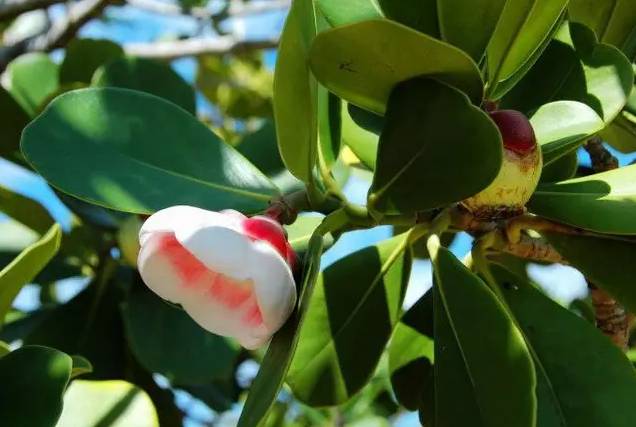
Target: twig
197,46
13,8
602,160
236,9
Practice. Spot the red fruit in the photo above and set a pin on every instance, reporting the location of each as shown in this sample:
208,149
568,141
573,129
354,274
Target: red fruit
265,228
516,131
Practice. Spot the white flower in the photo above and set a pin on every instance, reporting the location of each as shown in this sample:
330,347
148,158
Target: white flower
231,274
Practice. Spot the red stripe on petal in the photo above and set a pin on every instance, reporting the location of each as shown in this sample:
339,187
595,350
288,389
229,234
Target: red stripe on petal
189,268
253,316
229,292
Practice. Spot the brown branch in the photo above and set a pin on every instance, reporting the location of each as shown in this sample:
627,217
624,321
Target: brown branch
13,8
197,46
602,160
534,249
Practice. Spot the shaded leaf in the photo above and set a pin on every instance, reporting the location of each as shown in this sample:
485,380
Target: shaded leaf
84,56
299,233
15,119
421,15
81,366
339,13
25,210
362,142
138,153
561,169
31,79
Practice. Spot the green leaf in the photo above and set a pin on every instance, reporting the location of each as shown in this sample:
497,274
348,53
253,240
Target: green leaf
561,169
84,56
583,379
81,366
299,233
337,12
163,338
470,28
521,30
107,403
275,364
329,127
613,21
137,153
421,15
621,133
4,348
33,381
563,126
295,92
15,119
26,266
608,263
480,355
336,356
362,142
147,76
422,148
362,62
25,210
603,202
595,74
411,353
32,78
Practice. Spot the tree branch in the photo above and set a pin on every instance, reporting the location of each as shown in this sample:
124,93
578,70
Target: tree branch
197,46
236,9
13,8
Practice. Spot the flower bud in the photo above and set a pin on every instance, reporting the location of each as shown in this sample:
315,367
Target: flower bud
232,274
520,170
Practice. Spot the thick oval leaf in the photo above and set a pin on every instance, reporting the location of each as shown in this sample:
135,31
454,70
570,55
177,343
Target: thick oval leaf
592,73
337,12
422,148
583,380
147,76
603,202
164,338
621,133
299,233
25,210
480,355
31,79
81,366
563,126
108,403
14,120
608,263
563,168
280,352
134,152
469,25
421,15
362,62
363,292
522,28
295,92
84,56
329,127
411,353
26,266
362,142
613,21
33,380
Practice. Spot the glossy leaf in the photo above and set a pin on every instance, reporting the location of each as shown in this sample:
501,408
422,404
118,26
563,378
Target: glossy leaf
299,233
362,142
362,62
15,119
147,76
563,126
295,92
480,355
280,352
523,26
589,72
603,202
470,29
336,356
164,338
621,133
613,21
561,169
33,380
421,15
81,366
411,353
608,263
583,379
26,266
25,210
422,148
32,78
339,13
111,403
138,153
84,56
